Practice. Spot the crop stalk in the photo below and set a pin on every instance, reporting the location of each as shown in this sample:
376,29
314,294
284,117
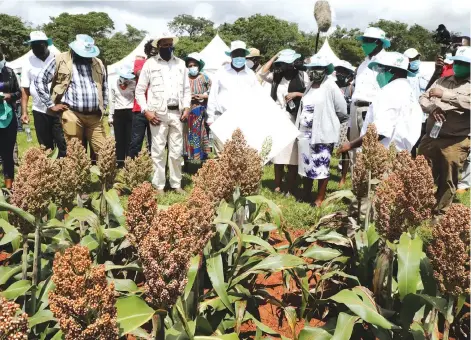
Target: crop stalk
36,264
449,317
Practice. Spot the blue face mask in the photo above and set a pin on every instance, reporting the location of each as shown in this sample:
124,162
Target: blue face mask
193,71
238,62
414,65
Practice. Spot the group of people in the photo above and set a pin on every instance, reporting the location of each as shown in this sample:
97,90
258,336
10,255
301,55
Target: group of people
174,102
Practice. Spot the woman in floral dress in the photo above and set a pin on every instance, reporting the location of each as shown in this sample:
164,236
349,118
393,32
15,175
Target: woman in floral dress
323,109
196,140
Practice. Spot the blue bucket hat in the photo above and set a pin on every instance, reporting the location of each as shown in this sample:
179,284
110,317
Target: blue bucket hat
320,61
288,56
6,114
84,46
126,72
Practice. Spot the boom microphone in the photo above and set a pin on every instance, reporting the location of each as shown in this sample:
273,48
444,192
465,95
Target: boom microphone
323,15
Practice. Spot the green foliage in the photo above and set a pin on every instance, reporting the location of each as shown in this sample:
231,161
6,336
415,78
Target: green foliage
13,34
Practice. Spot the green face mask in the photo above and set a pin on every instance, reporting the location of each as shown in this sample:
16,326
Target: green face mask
368,47
461,71
383,78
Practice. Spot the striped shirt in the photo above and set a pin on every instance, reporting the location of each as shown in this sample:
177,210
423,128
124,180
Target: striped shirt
82,93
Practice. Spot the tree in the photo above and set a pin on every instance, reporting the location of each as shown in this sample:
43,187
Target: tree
65,27
265,32
403,37
13,34
346,47
185,24
120,44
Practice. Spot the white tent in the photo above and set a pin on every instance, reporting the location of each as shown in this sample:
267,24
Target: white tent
129,59
328,53
214,55
17,64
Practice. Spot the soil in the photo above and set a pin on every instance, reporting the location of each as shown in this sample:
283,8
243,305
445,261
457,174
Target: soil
271,315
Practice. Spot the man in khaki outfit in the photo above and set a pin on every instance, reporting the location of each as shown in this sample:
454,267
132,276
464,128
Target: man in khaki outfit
448,101
79,91
166,107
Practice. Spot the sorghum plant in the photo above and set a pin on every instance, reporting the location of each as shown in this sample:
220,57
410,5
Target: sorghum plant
137,170
82,301
13,323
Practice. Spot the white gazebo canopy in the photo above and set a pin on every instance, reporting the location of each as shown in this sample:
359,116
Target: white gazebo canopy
214,55
17,64
129,59
327,52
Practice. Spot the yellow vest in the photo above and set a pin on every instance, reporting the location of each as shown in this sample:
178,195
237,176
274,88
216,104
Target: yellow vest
63,76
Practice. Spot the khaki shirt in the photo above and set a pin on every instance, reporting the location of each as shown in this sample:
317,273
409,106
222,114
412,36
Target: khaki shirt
455,102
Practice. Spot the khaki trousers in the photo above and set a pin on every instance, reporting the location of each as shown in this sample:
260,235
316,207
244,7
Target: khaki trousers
446,157
218,146
78,125
168,132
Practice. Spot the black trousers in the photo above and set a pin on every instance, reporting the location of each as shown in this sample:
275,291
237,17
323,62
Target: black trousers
7,145
49,132
122,124
140,125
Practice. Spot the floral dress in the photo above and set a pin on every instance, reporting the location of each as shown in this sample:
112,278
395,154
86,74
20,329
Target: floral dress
313,159
196,140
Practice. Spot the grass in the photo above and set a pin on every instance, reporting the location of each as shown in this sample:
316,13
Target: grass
297,215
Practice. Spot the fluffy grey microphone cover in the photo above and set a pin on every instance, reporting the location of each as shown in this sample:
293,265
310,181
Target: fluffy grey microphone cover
323,15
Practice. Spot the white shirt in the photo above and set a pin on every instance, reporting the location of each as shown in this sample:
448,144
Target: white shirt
329,107
282,89
366,85
171,80
30,70
227,84
396,114
121,99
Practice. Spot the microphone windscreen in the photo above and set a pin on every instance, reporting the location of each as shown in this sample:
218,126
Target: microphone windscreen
323,15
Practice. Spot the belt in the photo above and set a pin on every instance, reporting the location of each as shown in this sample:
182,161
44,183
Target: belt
172,107
362,103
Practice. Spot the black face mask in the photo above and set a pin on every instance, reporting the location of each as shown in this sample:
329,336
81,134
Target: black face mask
165,52
288,71
316,76
39,50
342,80
81,60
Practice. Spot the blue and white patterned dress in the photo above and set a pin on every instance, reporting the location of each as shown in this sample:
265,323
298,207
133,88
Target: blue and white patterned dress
313,159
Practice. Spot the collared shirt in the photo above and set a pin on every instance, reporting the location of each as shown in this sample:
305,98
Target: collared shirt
396,114
227,84
82,93
168,85
30,70
455,102
121,99
366,85
171,79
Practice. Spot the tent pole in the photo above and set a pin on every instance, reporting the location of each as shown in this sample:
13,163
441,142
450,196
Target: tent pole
317,41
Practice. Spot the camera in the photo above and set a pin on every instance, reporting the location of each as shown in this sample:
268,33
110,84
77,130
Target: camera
448,41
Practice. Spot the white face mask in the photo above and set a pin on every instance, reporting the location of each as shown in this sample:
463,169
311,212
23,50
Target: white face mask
193,71
249,63
2,63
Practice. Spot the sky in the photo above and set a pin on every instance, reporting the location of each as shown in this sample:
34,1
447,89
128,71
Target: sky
153,16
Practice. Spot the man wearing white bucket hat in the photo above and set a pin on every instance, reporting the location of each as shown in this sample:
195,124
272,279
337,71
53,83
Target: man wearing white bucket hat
120,115
166,107
373,43
79,91
448,104
228,83
395,111
48,128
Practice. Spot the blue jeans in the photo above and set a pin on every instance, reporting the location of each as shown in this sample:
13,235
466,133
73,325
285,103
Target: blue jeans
140,125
